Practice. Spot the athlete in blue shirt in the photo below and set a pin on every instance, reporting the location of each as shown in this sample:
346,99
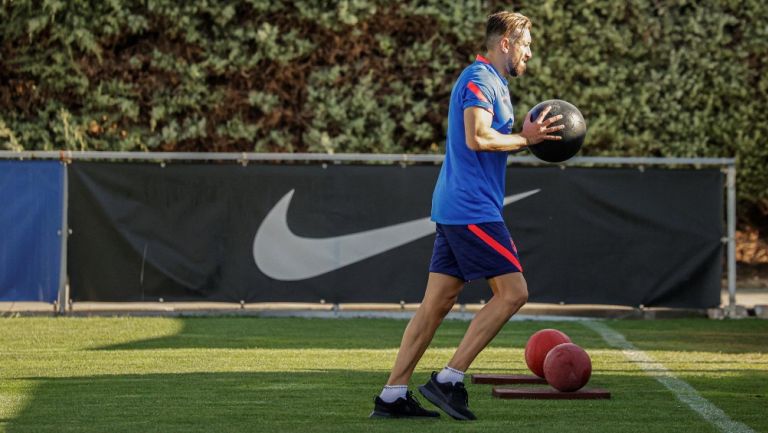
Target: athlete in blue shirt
472,240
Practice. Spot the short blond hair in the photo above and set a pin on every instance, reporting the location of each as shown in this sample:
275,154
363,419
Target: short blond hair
506,25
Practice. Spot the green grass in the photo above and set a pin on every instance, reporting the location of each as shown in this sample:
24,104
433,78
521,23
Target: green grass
279,375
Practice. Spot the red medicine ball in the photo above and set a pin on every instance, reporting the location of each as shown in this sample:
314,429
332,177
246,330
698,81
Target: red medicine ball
567,367
539,345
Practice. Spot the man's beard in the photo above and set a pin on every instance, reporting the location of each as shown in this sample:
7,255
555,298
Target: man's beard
516,69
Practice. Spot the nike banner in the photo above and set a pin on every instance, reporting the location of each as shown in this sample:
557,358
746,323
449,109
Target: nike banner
362,233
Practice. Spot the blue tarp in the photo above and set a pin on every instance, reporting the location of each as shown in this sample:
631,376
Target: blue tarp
31,194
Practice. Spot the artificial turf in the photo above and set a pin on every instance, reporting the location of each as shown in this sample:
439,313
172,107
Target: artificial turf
247,374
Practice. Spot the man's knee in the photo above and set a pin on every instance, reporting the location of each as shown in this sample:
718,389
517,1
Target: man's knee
442,293
514,301
442,305
513,293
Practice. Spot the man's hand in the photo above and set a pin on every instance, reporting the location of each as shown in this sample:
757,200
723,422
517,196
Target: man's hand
540,129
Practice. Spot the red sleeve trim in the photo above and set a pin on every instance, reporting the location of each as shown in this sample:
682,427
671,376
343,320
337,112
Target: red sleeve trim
476,90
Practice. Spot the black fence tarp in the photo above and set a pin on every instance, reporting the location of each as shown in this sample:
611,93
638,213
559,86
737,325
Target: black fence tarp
360,233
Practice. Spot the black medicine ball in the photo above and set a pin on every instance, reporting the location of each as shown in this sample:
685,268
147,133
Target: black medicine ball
573,134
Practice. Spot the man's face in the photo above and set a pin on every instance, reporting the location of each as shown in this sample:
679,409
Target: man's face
519,54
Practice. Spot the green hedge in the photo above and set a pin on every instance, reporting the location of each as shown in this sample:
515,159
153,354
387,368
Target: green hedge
652,77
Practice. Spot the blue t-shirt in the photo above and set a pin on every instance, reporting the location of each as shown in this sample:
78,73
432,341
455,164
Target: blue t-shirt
470,188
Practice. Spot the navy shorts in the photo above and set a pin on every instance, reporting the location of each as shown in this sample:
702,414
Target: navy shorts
473,251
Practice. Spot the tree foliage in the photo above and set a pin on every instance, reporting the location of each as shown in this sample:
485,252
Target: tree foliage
652,77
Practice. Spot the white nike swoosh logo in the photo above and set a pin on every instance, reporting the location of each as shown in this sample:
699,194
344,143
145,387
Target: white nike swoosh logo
282,255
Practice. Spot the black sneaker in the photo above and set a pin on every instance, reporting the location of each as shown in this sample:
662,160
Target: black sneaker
407,407
452,399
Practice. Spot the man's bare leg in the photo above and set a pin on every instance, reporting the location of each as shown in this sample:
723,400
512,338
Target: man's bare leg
510,292
446,389
439,297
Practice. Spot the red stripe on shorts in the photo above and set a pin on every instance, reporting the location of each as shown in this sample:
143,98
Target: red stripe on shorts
514,247
495,245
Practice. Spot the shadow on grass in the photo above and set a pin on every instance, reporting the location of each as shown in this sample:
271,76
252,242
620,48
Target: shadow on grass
749,336
298,333
696,335
336,400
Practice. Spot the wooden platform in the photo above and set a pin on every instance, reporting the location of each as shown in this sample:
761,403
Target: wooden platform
551,394
507,379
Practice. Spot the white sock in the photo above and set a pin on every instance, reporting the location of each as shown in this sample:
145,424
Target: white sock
391,393
449,374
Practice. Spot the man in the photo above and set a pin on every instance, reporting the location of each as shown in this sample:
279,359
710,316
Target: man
472,240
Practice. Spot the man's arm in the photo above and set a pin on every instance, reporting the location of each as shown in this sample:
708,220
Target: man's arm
480,136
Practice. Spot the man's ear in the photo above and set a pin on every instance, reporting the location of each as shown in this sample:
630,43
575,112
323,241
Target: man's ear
505,45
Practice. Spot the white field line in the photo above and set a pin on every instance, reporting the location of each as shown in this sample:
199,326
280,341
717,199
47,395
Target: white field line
684,392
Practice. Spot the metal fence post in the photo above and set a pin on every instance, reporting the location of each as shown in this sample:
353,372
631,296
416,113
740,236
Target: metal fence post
731,197
63,295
